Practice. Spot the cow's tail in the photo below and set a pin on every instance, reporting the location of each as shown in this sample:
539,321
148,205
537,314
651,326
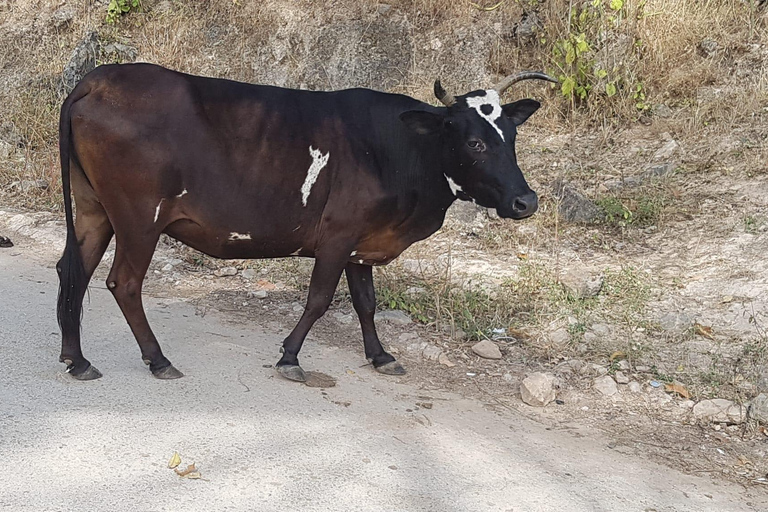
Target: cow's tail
72,276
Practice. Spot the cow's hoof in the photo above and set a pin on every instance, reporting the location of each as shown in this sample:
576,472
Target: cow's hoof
292,372
90,373
168,373
391,368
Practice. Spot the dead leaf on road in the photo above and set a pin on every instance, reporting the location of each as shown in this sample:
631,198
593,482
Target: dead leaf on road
677,388
703,330
618,355
185,472
175,460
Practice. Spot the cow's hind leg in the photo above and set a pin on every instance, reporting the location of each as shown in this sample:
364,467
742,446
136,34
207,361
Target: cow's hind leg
132,257
325,278
360,279
94,233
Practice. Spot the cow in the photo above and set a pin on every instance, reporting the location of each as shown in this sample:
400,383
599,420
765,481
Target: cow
350,178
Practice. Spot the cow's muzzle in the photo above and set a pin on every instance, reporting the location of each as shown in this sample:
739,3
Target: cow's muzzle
520,207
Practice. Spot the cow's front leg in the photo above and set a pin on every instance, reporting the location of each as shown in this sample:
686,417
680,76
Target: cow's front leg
360,279
325,278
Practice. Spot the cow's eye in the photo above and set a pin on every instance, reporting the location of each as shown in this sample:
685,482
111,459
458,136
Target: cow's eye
476,145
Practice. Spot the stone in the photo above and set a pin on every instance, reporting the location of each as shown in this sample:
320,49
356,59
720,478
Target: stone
621,378
581,283
675,322
719,410
258,294
635,387
758,408
667,151
559,336
708,47
342,318
28,185
570,366
623,365
529,25
573,205
487,349
62,16
431,352
394,316
662,110
443,360
605,385
660,170
82,60
248,273
384,8
225,272
537,390
119,53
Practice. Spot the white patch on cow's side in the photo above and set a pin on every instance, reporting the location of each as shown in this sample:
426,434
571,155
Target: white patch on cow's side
492,99
296,252
239,236
455,187
360,262
353,253
157,210
319,160
183,192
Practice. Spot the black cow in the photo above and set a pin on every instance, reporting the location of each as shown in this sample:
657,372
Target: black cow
350,178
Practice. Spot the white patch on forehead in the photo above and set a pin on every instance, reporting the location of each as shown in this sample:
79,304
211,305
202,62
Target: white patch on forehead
157,210
491,99
319,161
183,192
353,253
239,236
455,187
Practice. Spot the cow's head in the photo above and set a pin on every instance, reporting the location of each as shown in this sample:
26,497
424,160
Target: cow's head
477,138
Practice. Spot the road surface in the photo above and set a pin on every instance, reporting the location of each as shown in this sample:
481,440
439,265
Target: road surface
262,443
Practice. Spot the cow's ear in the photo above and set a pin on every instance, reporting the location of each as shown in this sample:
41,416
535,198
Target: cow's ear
519,111
422,122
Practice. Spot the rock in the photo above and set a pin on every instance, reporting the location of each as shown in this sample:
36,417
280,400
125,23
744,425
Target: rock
27,185
719,410
621,378
570,366
62,16
248,273
431,352
258,294
573,205
623,365
662,110
167,267
163,6
659,170
667,151
581,283
708,48
119,53
394,316
83,60
675,323
340,317
529,25
384,8
487,349
443,359
605,385
635,387
417,347
537,390
758,408
225,271
559,336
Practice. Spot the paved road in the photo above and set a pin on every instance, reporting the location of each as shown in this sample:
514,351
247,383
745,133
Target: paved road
263,443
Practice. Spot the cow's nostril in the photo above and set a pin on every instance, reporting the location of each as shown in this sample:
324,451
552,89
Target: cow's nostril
519,206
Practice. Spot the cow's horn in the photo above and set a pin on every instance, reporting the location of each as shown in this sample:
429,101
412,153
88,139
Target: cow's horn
447,99
525,75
